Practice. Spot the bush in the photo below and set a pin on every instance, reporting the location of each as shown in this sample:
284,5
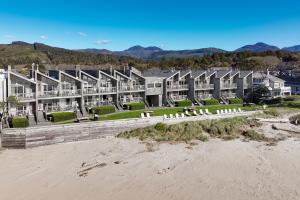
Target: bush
102,110
295,119
136,106
236,101
161,126
253,135
292,98
63,116
183,103
20,122
272,112
211,102
295,104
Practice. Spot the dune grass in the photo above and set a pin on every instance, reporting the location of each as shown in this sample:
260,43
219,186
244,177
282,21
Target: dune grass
226,129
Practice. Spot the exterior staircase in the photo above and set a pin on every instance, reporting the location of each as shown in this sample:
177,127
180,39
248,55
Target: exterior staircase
171,102
198,101
41,119
146,103
224,100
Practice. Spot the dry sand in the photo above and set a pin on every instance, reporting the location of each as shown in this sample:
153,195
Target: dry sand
112,168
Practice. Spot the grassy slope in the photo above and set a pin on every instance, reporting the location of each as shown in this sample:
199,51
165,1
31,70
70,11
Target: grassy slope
167,111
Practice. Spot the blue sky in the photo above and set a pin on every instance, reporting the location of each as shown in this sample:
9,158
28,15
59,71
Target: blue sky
117,25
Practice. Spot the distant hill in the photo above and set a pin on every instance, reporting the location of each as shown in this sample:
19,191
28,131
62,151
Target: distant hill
258,47
292,49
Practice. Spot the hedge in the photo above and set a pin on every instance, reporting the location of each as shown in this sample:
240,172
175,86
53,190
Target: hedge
292,98
136,106
211,102
183,103
63,116
20,122
236,101
102,110
295,104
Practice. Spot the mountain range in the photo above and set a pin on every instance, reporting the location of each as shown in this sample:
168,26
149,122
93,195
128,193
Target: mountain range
155,53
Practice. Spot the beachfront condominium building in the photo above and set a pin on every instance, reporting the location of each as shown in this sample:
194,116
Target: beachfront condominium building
81,90
276,86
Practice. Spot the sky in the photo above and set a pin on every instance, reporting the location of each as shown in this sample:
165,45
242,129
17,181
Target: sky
118,25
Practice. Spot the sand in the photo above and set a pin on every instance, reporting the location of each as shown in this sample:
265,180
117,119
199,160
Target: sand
113,169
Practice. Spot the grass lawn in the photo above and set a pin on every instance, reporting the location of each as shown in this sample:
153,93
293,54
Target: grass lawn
168,111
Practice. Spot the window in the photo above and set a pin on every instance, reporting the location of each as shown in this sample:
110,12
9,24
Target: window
158,85
150,85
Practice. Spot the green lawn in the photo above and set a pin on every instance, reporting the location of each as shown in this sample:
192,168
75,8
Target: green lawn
168,111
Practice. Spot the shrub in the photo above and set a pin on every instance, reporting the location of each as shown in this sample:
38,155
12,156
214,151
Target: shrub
20,122
295,104
253,135
295,119
183,103
292,98
136,106
236,101
102,110
161,126
211,102
63,116
272,112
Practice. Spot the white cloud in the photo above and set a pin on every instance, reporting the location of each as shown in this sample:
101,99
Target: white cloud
82,34
8,36
103,42
43,37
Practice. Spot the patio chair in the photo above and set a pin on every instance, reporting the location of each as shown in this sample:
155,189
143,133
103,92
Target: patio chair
226,111
182,115
207,112
222,111
187,113
171,116
218,112
148,115
229,111
165,116
240,110
234,110
177,115
142,115
201,112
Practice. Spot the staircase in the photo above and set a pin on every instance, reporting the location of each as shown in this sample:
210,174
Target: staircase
198,101
171,102
41,118
224,100
146,103
32,120
119,106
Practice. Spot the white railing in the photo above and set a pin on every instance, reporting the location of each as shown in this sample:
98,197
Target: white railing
178,87
179,97
55,108
107,89
285,89
125,88
131,100
228,95
24,96
51,93
73,92
204,96
229,85
90,91
204,86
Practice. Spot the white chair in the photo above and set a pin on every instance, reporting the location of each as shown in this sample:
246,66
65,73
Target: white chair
165,116
234,110
240,110
148,115
182,115
201,112
142,115
226,111
207,112
195,113
171,116
177,115
229,110
187,113
222,112
218,112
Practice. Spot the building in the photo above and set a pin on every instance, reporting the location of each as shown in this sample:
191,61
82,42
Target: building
79,90
275,85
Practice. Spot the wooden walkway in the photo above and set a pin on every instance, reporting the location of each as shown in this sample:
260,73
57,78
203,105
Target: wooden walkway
52,134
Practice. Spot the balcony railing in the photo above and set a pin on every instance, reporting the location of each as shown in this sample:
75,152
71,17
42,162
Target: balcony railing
55,108
125,88
131,100
98,103
204,86
178,87
90,91
50,93
24,96
70,92
229,95
204,96
107,89
179,97
229,85
247,85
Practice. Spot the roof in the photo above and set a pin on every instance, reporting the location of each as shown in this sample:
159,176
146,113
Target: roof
197,73
267,76
222,73
244,74
184,73
160,73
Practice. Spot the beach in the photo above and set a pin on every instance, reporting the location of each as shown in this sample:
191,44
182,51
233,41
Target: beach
113,168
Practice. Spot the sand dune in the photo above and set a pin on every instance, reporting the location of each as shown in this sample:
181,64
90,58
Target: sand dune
128,169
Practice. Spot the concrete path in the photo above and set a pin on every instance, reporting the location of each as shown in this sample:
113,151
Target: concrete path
45,135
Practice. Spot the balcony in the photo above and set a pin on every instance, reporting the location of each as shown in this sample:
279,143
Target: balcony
56,108
131,99
204,96
229,85
74,92
128,88
204,86
178,87
247,85
50,93
90,91
107,90
179,97
24,96
228,95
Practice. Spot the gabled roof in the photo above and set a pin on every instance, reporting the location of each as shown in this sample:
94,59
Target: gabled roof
184,73
197,73
46,76
70,76
86,74
267,76
22,77
121,74
106,74
244,74
160,73
222,73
